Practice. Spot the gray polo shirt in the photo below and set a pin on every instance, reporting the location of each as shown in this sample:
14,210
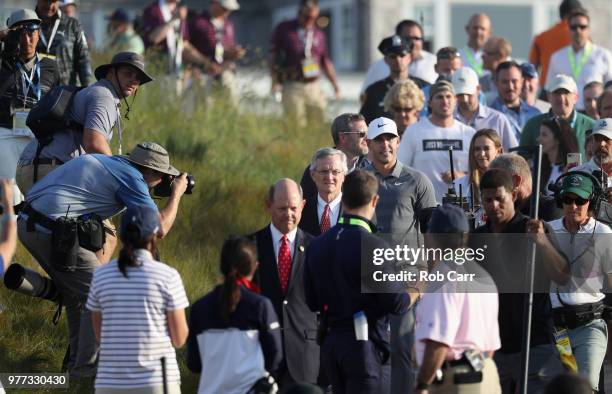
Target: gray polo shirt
96,107
403,195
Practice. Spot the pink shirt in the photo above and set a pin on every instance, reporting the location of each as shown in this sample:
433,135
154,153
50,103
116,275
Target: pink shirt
461,320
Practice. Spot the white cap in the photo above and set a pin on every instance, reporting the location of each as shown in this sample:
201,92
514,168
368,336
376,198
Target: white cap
465,81
22,15
380,126
603,127
64,3
561,81
231,5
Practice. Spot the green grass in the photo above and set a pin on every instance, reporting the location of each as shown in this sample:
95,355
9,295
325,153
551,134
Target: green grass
234,154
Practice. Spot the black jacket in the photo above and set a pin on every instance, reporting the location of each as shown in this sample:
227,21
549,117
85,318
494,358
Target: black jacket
70,49
373,106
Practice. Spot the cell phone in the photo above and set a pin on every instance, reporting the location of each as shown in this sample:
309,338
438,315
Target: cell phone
574,160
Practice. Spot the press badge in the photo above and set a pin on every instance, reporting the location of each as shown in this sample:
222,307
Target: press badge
564,347
47,55
19,123
310,68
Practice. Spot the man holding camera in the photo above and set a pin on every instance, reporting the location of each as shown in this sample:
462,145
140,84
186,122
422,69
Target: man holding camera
24,78
61,226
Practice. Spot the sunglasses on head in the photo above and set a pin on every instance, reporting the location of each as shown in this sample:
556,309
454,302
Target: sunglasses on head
579,201
576,27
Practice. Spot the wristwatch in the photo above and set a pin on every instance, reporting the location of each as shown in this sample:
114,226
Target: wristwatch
422,386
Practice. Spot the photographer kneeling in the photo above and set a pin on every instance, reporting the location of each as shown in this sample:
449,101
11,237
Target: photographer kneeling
61,226
579,329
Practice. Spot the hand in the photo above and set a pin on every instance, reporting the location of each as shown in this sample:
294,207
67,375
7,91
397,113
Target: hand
7,195
235,52
337,92
179,186
535,226
213,69
446,176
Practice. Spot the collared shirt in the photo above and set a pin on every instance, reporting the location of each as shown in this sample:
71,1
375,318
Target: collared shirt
598,67
288,45
547,43
589,252
404,194
276,240
517,120
334,208
488,118
425,148
205,35
422,68
488,87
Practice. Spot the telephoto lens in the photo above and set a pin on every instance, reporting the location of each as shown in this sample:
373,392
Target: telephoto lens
29,282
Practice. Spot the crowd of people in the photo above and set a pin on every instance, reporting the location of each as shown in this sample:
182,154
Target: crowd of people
428,161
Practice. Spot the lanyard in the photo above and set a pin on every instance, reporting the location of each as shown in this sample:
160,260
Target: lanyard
308,40
52,37
27,81
577,68
356,222
119,127
474,65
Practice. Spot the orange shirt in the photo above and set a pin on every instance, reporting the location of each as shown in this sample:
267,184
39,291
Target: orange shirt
547,43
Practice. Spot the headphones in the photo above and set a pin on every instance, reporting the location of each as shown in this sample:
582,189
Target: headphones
593,197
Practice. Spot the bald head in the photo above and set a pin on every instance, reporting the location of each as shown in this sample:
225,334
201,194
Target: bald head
478,30
285,203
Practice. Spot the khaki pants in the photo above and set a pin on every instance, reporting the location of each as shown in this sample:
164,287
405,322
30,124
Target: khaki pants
303,100
489,384
25,175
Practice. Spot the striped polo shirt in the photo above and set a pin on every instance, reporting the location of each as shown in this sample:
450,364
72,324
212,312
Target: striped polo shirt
134,331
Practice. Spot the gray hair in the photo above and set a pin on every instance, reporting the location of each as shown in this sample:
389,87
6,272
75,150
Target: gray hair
322,153
513,163
342,124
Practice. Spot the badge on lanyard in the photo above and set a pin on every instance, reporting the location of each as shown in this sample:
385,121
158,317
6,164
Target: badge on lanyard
19,123
310,67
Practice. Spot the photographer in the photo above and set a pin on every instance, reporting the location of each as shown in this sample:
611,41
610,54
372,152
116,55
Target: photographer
61,226
602,153
24,78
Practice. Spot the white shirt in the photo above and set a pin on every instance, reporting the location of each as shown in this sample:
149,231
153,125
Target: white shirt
421,68
597,68
276,240
334,209
588,270
424,146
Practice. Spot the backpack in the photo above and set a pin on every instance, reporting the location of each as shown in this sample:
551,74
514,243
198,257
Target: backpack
50,114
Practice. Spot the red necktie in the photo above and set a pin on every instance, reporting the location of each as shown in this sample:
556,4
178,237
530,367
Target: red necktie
284,263
325,223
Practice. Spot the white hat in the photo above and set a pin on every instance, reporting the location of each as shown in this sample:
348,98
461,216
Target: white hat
22,15
64,3
465,81
231,5
603,127
561,81
380,126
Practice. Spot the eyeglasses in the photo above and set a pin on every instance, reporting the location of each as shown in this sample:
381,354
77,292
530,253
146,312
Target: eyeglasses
576,27
362,134
334,173
415,38
567,200
400,110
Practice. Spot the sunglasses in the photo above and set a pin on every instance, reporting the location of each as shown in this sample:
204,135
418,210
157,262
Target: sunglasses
576,27
362,134
399,110
29,28
415,38
567,200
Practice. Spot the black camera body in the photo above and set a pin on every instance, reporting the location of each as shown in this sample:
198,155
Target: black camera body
9,46
164,189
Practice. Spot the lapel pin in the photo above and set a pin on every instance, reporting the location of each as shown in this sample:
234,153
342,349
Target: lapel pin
301,248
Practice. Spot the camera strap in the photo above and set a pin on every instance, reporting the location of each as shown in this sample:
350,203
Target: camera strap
53,32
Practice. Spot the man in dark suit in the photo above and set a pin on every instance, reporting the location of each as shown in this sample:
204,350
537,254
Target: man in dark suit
281,248
328,169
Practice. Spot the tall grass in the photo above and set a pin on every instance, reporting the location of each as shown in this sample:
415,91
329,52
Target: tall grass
235,153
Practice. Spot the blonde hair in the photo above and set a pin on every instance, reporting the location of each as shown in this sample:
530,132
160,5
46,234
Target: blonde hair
404,94
473,173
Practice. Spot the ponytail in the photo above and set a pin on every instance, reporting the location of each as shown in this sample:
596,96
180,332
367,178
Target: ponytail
131,241
238,260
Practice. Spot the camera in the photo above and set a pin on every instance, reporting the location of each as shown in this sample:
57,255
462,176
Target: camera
164,189
9,46
29,282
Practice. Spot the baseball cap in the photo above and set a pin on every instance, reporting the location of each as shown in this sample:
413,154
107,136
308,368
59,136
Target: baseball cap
440,86
64,3
231,5
465,81
381,126
144,218
448,219
578,184
529,71
119,15
22,15
561,81
603,127
153,156
394,45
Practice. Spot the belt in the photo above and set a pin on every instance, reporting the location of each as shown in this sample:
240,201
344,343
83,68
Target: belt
573,316
38,217
464,361
42,160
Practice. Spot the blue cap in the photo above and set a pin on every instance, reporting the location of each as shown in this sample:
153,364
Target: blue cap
528,70
119,15
448,219
395,45
146,219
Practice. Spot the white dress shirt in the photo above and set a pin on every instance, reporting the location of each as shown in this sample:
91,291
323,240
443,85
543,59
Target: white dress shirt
276,240
334,209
